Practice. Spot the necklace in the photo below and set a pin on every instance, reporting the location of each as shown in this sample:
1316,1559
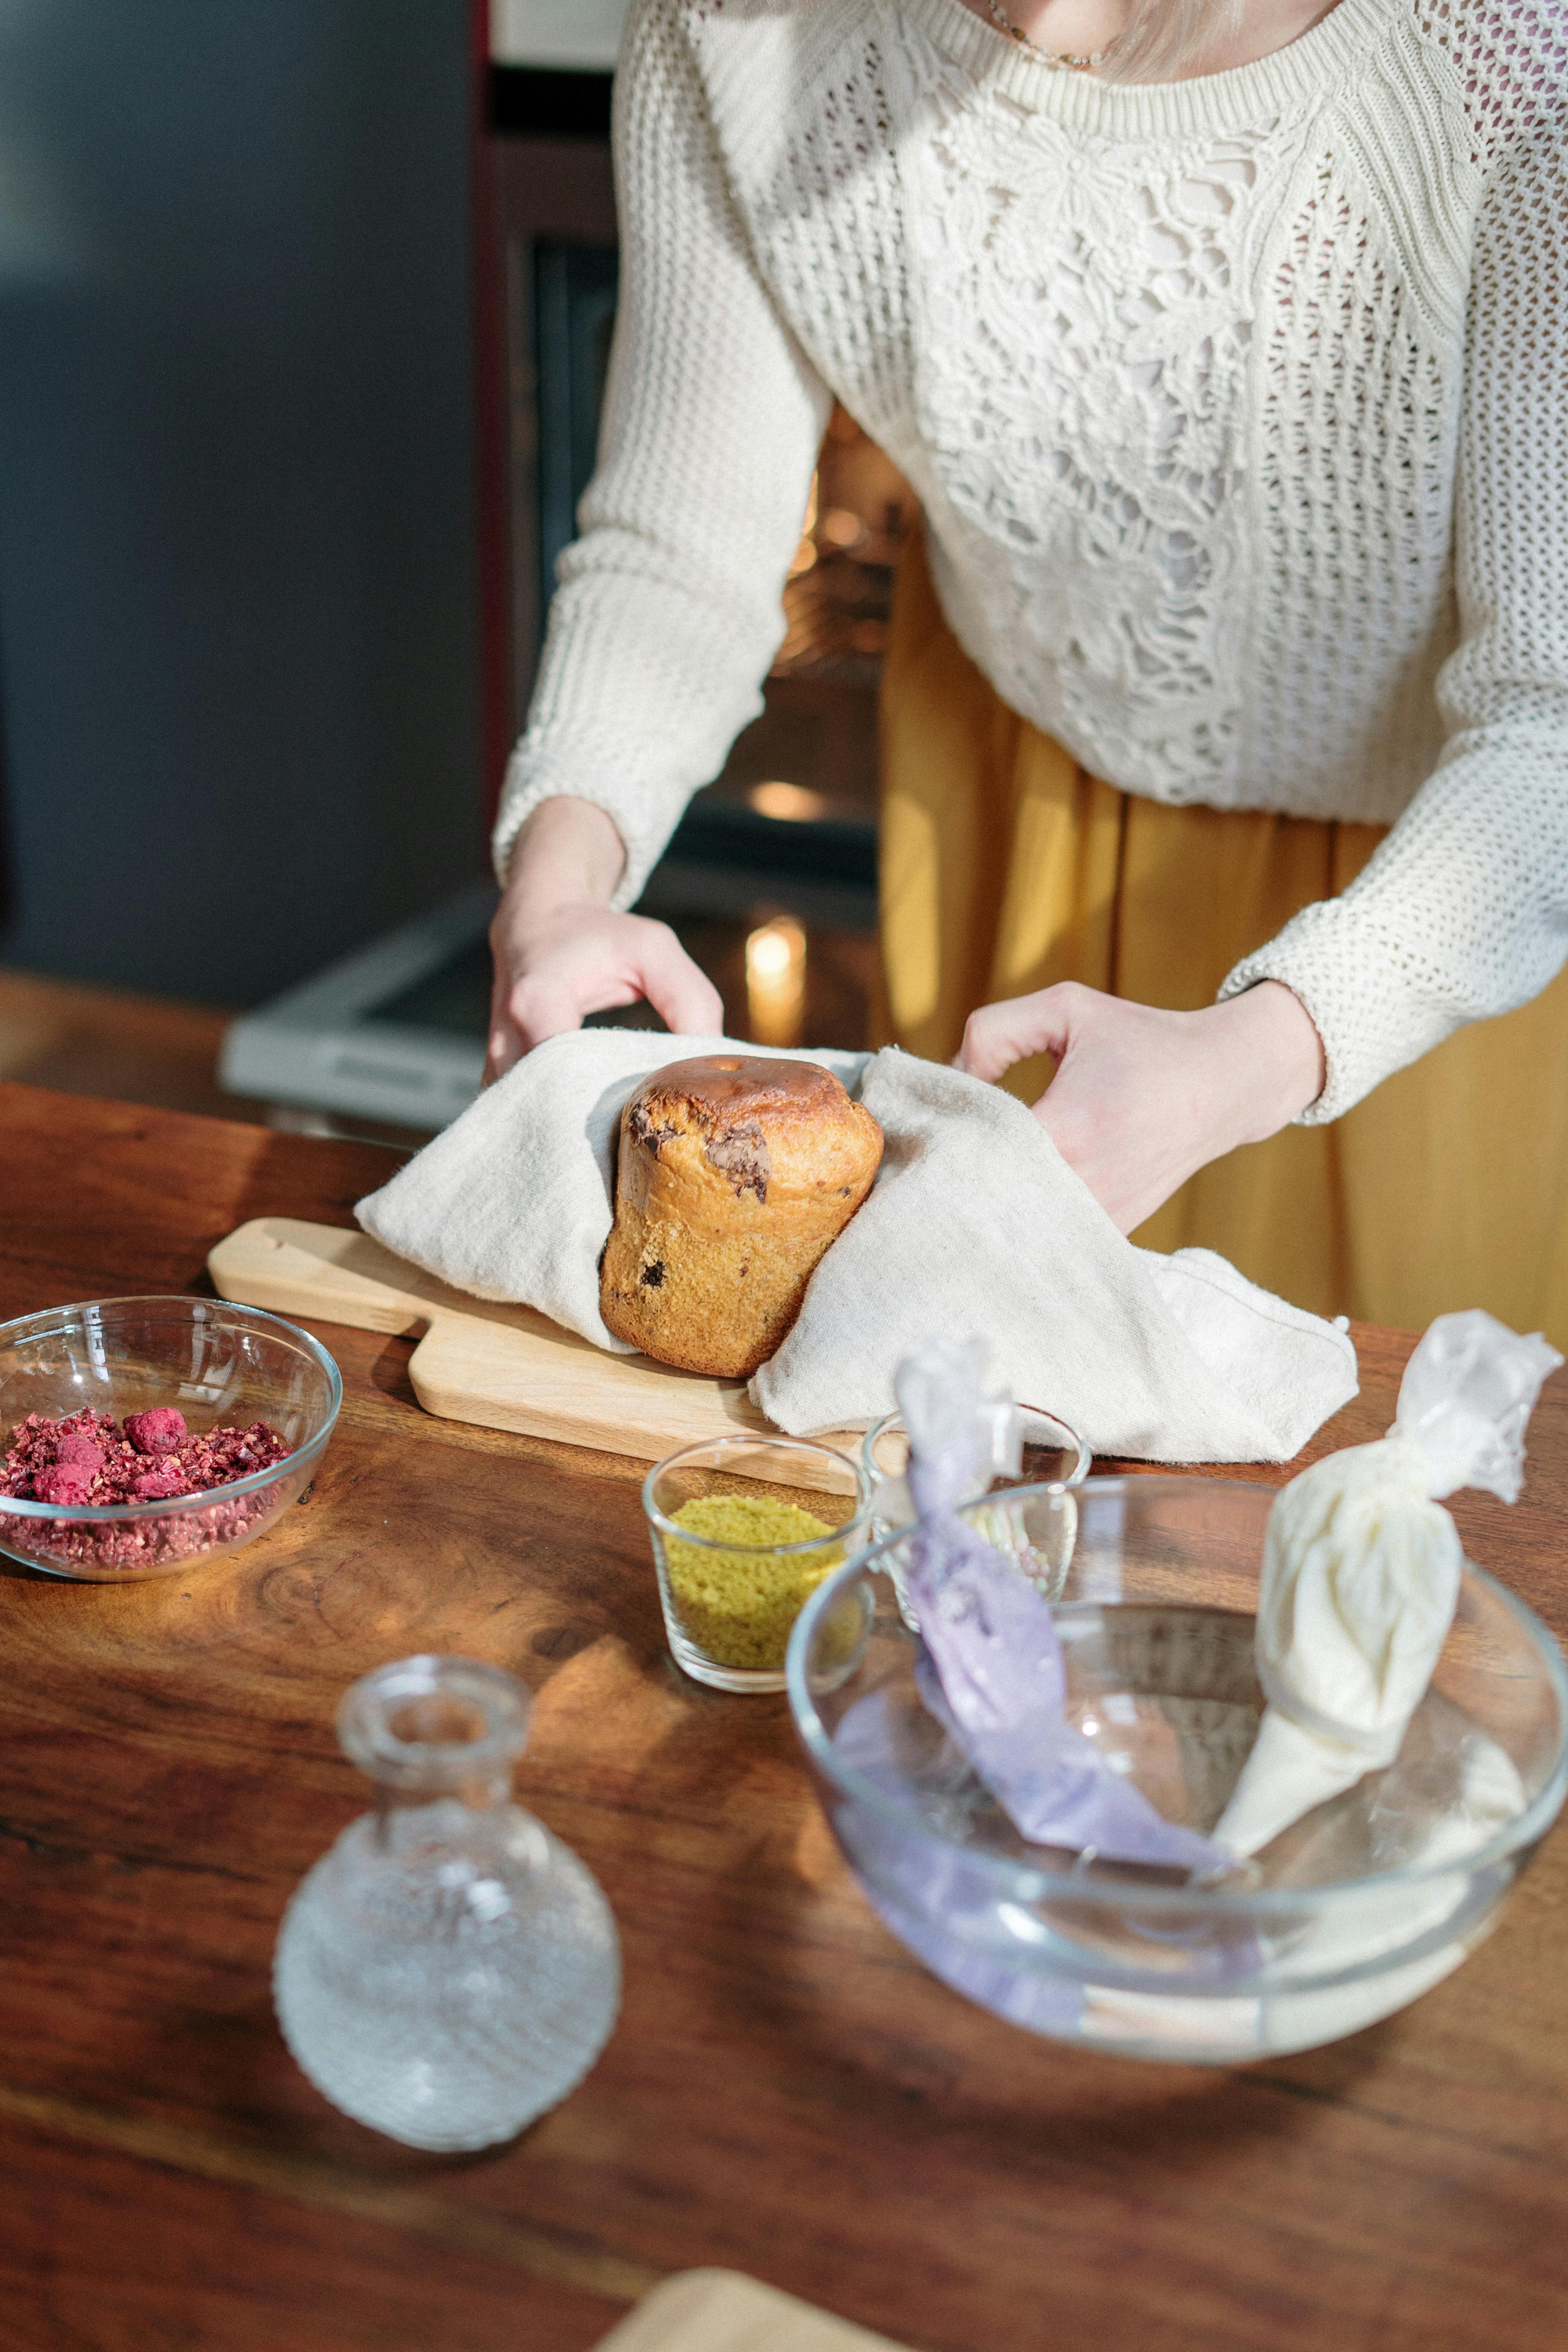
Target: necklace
1004,24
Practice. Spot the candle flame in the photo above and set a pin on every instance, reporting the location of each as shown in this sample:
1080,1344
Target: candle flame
775,982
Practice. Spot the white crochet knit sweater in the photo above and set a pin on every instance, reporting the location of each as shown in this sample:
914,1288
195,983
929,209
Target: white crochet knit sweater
1238,409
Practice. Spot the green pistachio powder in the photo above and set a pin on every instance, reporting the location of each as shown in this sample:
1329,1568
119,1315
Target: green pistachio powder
738,1606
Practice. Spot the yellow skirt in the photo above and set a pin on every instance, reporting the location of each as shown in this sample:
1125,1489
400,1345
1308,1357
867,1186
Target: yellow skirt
1005,867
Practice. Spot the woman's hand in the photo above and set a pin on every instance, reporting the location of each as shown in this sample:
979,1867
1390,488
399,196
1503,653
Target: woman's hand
1142,1099
560,951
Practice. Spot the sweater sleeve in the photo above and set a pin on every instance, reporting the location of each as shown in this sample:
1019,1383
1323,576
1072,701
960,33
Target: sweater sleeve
1462,912
668,611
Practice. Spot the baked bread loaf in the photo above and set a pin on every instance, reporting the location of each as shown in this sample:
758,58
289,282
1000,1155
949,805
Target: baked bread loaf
734,1175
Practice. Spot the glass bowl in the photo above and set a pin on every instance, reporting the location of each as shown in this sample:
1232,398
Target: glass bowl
220,1365
728,1603
1350,1914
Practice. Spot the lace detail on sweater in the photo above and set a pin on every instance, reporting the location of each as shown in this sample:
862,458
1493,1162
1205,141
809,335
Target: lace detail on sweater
1083,353
1238,410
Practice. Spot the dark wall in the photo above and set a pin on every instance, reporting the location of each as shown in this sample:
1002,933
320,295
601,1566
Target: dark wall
237,628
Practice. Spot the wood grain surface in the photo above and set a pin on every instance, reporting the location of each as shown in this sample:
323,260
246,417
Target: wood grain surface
787,2094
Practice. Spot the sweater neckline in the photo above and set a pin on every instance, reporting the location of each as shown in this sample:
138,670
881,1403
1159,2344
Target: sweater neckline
1304,69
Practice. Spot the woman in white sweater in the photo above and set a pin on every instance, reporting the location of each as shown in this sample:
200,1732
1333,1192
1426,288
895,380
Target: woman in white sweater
1226,345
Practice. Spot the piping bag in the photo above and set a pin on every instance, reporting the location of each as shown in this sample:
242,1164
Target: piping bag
990,1669
1361,1572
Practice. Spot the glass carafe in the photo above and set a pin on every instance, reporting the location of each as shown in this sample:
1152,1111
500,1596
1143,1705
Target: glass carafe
448,1970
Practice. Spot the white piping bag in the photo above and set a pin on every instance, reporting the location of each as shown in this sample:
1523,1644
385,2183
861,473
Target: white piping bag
1361,1572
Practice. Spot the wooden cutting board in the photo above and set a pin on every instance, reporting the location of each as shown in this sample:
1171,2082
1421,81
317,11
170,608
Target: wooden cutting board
720,2311
503,1367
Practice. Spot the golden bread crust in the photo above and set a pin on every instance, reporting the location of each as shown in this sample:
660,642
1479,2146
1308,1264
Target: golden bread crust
734,1174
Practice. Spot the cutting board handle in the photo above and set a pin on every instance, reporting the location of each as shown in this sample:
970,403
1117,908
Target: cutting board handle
338,1276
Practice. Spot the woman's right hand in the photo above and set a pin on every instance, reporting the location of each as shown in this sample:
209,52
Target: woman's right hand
560,951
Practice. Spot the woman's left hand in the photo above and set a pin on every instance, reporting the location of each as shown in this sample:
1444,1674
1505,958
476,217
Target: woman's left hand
1142,1099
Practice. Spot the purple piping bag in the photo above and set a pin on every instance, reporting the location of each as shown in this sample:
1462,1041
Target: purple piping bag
992,1672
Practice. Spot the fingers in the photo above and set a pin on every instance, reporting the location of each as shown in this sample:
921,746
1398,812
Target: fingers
683,997
608,959
545,1006
1000,1034
520,1020
523,1012
502,1044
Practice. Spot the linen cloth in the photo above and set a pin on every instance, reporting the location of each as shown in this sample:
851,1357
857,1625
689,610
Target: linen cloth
976,1224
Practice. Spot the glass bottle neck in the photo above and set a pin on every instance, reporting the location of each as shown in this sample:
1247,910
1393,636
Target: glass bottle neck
428,1729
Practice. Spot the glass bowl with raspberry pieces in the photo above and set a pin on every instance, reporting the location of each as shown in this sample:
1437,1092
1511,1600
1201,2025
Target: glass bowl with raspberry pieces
140,1435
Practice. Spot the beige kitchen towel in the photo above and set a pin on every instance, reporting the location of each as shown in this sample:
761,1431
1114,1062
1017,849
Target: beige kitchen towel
976,1224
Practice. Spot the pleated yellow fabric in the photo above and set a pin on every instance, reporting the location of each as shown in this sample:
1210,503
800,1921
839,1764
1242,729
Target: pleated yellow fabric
1005,867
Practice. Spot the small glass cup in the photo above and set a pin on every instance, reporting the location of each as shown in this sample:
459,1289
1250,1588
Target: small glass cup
1053,1456
731,1595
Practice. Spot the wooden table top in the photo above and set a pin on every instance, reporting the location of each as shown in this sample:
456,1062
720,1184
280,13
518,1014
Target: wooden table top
787,2093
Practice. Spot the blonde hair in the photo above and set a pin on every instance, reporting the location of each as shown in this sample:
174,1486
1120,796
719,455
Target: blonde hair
1168,37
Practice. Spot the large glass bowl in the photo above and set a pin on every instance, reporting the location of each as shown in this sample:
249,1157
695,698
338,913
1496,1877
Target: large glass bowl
221,1365
1349,1915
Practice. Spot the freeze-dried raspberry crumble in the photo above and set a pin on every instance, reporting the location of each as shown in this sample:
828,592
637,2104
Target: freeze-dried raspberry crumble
157,1432
89,1459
